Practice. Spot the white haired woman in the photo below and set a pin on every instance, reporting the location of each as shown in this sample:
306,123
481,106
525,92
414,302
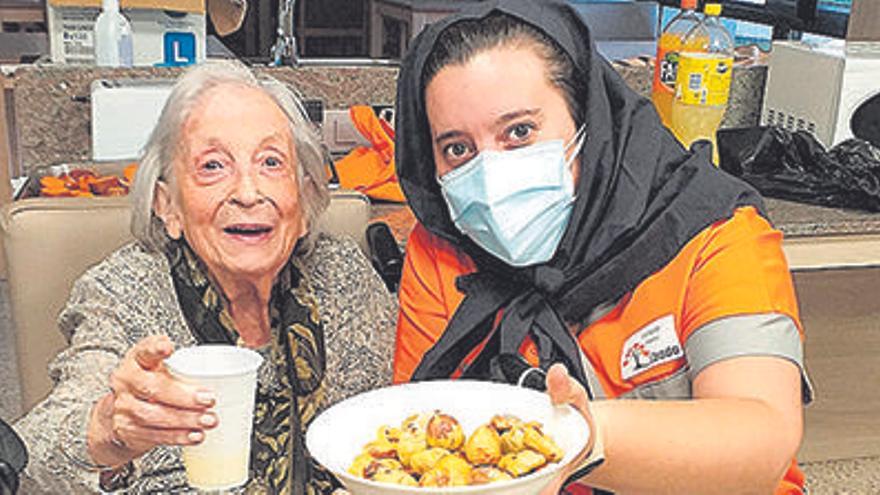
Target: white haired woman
225,199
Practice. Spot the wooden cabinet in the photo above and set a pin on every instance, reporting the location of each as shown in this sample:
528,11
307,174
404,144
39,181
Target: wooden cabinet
840,311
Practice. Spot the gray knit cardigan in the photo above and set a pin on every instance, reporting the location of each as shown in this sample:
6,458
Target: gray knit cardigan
129,296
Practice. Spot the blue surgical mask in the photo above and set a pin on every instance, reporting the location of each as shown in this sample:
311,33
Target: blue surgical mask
515,204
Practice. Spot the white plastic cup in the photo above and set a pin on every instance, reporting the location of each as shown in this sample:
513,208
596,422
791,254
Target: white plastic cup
221,461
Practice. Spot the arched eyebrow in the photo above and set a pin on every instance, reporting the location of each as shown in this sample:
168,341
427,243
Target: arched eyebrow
275,141
516,114
212,145
274,137
448,135
499,122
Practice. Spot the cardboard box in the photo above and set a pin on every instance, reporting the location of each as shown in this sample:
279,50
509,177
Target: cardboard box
164,32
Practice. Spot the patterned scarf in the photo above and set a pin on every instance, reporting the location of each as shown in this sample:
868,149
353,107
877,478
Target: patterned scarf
280,463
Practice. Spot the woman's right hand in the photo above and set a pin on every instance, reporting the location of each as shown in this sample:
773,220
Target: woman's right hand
147,407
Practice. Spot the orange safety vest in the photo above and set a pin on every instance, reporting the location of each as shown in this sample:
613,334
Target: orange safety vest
735,267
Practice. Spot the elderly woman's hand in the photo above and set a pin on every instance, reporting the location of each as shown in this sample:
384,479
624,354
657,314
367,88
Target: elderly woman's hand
147,407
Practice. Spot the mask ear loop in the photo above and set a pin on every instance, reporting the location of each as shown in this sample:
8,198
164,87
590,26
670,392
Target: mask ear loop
575,144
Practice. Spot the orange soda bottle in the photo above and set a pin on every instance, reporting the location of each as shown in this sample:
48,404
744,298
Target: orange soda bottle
702,86
669,45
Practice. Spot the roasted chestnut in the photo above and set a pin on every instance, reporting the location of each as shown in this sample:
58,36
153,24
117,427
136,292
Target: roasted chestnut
522,463
488,474
409,446
483,446
360,463
389,434
444,431
425,460
417,424
380,449
535,439
457,466
381,464
504,422
513,440
395,476
452,470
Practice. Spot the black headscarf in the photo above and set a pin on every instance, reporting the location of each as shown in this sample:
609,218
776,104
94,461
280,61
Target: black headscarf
640,198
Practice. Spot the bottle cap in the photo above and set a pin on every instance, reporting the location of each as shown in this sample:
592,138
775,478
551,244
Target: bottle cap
713,9
688,4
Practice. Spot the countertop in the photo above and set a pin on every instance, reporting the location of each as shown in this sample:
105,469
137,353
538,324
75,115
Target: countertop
52,115
52,112
800,220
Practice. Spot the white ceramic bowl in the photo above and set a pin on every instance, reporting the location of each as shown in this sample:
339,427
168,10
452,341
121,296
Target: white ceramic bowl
338,434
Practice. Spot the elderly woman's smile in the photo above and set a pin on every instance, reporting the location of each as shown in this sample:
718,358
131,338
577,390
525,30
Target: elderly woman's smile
248,232
234,194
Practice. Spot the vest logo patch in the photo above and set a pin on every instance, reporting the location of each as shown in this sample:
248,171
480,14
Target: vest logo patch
653,345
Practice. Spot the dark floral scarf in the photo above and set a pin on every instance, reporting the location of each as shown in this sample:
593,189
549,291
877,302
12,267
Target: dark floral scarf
280,463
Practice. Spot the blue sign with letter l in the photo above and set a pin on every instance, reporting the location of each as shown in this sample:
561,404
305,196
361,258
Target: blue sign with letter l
179,48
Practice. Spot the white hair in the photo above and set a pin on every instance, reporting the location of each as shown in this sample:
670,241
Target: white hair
163,146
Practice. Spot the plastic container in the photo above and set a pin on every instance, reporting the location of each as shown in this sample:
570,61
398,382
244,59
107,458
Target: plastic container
221,461
702,87
113,44
669,46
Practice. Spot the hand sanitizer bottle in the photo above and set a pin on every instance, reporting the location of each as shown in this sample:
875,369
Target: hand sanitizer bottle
113,47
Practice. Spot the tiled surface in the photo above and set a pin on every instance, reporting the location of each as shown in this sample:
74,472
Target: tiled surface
846,477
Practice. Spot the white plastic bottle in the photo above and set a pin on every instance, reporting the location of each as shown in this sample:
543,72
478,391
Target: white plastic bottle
113,46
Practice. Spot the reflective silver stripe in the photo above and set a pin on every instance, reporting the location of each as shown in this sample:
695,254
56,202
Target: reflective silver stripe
595,315
770,334
676,386
592,379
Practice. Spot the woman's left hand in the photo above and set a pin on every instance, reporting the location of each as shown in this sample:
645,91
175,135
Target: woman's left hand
563,389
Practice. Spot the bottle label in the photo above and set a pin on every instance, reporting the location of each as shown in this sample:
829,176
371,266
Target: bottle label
666,69
703,79
77,37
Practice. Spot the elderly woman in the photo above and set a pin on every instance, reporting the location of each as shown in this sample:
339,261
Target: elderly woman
225,203
561,223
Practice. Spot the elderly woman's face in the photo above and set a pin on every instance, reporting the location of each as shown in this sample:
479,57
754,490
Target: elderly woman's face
500,99
235,196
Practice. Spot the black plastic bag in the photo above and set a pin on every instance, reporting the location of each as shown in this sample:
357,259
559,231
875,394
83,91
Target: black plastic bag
795,166
13,458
